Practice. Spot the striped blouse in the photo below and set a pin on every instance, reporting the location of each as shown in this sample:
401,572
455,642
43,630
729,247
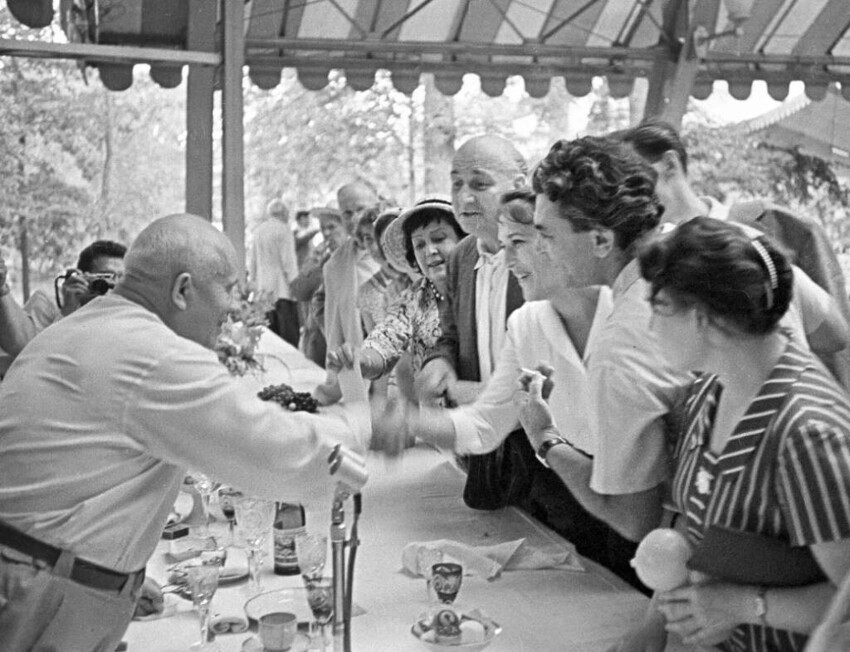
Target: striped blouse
784,472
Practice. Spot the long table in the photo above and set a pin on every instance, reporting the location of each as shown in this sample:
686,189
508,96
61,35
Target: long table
418,498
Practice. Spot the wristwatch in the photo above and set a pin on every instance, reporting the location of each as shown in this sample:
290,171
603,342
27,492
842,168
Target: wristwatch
761,605
547,445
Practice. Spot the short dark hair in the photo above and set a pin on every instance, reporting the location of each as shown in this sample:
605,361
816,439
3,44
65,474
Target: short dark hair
99,249
600,183
424,217
300,214
367,218
651,138
716,264
518,205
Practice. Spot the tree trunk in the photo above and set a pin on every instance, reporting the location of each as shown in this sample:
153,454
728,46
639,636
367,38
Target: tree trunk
25,258
438,131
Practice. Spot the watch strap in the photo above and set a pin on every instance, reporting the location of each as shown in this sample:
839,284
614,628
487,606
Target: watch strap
546,446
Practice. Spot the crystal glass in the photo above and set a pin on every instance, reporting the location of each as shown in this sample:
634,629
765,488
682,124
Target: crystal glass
254,517
320,596
227,501
426,557
202,575
206,487
312,551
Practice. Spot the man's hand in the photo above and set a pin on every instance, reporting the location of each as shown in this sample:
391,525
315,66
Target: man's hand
390,429
340,358
150,599
344,357
75,293
435,381
533,388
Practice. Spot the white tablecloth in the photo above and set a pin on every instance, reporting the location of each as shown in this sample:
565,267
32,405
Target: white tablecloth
418,498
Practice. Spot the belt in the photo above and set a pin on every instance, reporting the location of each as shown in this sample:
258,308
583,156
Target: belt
65,564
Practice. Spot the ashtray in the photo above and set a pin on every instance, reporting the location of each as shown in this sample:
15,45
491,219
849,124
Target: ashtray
451,629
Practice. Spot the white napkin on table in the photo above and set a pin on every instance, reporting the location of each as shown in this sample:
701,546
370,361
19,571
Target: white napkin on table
490,561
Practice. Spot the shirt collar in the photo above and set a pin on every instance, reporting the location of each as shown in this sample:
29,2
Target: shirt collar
487,258
627,277
715,209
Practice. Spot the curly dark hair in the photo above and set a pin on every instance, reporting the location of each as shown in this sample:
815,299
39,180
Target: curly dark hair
424,217
600,183
716,264
99,249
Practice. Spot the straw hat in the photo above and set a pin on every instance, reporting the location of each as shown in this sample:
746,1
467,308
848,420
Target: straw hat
393,241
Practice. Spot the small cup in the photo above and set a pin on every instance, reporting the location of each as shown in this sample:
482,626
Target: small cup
446,578
277,630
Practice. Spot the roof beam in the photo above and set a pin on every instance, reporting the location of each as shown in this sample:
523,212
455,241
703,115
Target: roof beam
106,53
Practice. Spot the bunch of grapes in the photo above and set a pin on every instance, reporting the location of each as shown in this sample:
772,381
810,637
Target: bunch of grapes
287,397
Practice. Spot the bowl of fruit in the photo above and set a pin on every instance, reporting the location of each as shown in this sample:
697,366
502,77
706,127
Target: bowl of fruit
452,629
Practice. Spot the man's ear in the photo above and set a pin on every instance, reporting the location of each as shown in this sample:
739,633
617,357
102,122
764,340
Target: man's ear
520,181
181,289
603,242
671,165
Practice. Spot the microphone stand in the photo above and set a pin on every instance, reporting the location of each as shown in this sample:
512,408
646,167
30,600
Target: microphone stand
350,470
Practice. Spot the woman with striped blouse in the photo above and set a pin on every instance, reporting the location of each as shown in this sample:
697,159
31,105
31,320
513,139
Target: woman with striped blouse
764,452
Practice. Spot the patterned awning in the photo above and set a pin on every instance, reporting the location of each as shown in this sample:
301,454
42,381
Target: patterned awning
776,40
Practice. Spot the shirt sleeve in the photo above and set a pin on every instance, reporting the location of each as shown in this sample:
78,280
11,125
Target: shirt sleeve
627,420
391,337
483,425
42,310
813,477
189,411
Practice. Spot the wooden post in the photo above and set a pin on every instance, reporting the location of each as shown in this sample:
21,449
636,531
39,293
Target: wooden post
233,192
199,111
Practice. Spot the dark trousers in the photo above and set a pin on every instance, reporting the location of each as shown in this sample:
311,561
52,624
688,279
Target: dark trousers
284,320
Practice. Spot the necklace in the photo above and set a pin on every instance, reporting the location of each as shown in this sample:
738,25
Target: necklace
434,289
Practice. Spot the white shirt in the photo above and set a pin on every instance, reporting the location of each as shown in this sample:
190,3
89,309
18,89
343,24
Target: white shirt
104,412
491,290
632,390
535,333
273,262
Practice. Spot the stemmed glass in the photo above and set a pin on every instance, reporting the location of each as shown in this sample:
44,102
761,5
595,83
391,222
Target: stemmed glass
202,575
227,501
320,597
255,517
206,487
426,557
312,551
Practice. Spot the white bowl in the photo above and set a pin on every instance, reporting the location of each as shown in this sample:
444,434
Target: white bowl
491,631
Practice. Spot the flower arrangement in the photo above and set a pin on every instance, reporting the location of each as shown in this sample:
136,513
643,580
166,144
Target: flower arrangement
241,331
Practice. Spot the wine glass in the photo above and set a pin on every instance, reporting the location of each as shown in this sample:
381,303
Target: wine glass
205,486
227,501
320,597
312,551
426,558
254,517
202,575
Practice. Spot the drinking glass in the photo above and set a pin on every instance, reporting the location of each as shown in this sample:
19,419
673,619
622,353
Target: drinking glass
205,486
320,597
202,575
426,558
227,501
255,517
312,551
447,578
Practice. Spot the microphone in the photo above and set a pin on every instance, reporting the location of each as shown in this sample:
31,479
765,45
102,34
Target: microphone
348,469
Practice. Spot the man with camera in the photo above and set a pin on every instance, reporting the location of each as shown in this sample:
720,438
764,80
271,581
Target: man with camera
98,267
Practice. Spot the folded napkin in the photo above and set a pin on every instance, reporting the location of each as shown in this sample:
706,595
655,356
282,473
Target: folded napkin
487,561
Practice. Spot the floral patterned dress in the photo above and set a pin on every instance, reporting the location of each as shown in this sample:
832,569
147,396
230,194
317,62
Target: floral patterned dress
412,325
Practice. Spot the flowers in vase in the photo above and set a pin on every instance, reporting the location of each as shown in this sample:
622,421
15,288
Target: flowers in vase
240,333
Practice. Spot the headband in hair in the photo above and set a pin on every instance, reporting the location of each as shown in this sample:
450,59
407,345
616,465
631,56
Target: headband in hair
773,283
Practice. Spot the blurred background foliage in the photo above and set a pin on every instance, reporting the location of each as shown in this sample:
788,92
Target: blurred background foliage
81,163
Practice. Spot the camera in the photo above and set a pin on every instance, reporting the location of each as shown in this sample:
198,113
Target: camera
97,284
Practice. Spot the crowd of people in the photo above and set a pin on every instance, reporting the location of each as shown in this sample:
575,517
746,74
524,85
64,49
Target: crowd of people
588,338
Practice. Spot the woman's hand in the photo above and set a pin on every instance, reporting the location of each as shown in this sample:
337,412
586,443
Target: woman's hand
703,614
346,356
533,388
340,358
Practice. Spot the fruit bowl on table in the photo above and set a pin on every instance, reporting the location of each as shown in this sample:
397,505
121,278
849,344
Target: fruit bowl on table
448,628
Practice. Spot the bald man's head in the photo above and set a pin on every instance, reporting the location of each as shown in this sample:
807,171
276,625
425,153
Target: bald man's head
483,169
353,198
183,269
